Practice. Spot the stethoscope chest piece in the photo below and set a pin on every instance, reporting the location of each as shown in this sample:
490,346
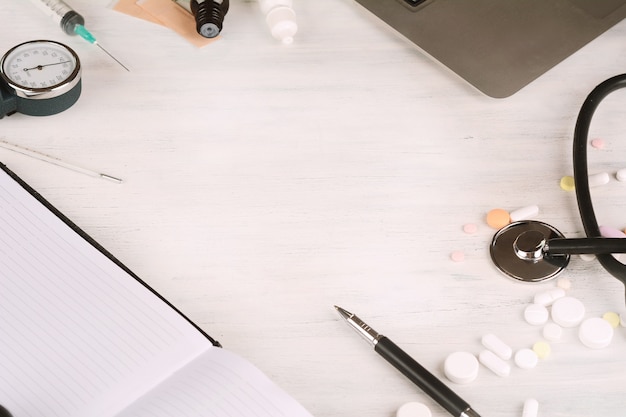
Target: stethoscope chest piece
519,251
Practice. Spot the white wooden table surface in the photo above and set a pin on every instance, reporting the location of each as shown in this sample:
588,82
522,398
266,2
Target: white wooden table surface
265,183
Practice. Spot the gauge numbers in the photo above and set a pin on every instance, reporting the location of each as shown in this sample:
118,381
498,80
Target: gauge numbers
39,66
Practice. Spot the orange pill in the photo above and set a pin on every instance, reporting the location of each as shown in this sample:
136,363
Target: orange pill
498,218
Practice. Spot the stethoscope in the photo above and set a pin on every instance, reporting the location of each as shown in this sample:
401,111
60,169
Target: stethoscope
533,251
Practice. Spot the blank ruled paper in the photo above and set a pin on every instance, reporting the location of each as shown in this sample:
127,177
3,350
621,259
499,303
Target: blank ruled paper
80,337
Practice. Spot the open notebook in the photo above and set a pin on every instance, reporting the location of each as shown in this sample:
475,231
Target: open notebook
82,336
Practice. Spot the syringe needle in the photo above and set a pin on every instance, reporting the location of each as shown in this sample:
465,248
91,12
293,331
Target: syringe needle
81,31
112,57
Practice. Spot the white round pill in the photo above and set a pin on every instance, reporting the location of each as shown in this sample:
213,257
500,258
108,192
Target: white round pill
595,333
621,174
568,312
494,363
531,408
526,358
536,314
413,409
552,332
461,367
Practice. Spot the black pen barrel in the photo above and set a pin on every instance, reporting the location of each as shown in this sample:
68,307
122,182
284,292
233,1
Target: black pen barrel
421,377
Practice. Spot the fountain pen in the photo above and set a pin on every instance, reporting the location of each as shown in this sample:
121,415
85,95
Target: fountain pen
432,386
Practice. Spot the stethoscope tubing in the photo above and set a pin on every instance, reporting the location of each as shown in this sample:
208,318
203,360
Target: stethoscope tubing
581,174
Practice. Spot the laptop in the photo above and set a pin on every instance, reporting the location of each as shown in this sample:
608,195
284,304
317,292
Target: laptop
499,46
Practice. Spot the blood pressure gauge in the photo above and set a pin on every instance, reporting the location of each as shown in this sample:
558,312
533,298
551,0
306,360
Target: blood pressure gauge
39,78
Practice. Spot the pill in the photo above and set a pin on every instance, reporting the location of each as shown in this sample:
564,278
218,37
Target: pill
531,408
526,358
470,228
567,183
536,314
461,367
457,256
612,318
608,231
568,311
413,409
552,332
498,218
497,346
546,298
595,333
622,319
542,349
598,143
564,283
494,363
596,180
524,213
621,175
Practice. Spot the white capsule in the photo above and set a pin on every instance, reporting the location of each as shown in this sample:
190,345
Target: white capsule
494,363
531,408
596,180
524,213
497,346
546,298
621,175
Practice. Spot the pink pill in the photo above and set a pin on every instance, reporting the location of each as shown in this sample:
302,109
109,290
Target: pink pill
598,143
470,228
457,256
606,231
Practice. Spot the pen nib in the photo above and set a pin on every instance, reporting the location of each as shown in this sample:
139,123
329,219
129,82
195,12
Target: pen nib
344,313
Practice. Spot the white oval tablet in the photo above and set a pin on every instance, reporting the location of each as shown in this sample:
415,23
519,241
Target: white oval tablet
526,358
413,409
621,174
546,298
536,314
595,333
568,312
461,367
497,346
494,363
531,408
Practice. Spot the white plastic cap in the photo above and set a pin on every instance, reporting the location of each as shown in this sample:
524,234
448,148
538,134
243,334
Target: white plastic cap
282,23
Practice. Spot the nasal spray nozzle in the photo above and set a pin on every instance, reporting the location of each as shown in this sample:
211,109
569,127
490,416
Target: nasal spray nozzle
280,18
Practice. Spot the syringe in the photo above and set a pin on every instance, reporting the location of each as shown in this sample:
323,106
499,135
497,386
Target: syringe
70,21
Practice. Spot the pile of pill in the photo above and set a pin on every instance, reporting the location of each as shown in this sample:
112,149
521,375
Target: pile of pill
553,309
569,312
595,180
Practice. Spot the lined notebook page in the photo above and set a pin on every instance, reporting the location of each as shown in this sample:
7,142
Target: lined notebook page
217,384
79,337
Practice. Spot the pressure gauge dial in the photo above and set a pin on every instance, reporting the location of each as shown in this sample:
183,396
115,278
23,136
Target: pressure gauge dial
39,78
